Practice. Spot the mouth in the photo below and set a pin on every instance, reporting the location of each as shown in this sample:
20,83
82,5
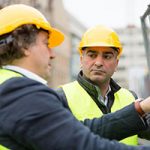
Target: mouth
98,71
49,65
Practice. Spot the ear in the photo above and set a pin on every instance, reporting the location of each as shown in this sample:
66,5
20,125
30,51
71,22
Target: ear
26,51
117,62
81,58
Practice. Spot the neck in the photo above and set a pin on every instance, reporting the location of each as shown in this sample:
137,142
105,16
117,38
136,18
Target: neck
103,88
24,63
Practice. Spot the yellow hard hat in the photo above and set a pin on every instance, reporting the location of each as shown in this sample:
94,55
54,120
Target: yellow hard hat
100,36
16,15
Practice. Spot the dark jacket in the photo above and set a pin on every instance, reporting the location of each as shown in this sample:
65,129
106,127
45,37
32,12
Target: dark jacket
33,117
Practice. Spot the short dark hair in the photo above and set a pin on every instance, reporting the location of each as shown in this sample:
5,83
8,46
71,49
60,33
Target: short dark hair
12,45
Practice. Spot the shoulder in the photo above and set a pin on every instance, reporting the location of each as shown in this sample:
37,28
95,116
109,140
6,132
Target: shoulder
24,84
27,99
131,92
62,96
116,87
22,90
134,94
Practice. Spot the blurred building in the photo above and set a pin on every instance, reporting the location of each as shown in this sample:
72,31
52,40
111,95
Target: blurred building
132,67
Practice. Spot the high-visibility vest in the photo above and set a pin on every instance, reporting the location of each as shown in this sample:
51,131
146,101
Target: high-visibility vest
5,75
3,148
84,107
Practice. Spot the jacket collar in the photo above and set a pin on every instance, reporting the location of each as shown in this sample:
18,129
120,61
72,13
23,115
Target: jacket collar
93,89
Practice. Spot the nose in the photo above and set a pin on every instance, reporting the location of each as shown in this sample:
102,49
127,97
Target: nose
99,60
52,53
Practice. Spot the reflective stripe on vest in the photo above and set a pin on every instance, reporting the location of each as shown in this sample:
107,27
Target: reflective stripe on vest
5,75
84,107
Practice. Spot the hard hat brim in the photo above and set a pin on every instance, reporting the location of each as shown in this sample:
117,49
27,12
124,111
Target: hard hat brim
100,45
55,38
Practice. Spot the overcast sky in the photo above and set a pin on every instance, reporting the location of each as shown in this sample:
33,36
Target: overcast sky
112,13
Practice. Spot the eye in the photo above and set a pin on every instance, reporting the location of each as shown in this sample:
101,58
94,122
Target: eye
92,55
46,43
108,56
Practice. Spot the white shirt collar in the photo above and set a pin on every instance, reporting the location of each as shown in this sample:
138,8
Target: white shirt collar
26,73
105,99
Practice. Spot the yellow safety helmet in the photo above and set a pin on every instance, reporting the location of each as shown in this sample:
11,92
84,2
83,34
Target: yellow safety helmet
100,36
17,15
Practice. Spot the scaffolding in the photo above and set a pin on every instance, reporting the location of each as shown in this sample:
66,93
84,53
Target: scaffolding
145,23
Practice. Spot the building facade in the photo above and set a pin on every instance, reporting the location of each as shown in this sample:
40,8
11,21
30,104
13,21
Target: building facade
132,66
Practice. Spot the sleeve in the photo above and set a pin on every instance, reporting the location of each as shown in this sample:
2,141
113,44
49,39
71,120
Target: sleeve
122,123
146,134
134,94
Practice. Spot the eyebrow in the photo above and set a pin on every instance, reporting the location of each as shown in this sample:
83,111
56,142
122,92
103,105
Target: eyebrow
104,52
90,50
113,52
108,52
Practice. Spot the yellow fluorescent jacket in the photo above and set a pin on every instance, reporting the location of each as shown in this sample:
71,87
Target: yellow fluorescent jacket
84,107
